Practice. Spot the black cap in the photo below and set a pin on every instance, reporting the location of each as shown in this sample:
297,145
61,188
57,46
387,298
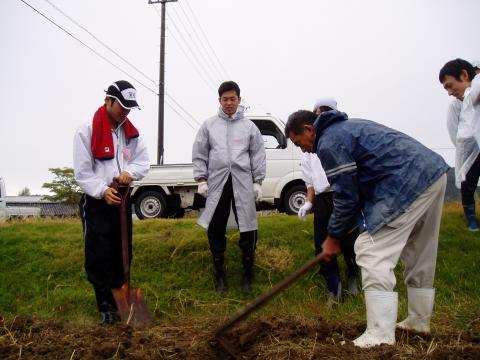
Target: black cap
125,93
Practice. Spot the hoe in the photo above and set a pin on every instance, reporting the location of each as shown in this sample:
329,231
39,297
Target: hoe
259,302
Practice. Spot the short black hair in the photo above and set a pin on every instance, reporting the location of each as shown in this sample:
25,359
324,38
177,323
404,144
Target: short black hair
454,68
227,86
296,121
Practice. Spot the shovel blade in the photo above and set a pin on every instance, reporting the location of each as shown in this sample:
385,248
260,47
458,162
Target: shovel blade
131,306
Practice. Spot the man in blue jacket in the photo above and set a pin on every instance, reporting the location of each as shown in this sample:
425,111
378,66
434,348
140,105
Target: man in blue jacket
392,187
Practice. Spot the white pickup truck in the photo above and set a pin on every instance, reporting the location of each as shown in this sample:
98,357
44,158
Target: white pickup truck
170,189
8,212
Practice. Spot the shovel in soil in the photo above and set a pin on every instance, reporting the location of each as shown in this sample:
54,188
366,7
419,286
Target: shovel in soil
259,302
131,306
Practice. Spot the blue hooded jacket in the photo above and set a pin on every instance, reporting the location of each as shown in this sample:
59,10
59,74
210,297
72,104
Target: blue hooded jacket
376,172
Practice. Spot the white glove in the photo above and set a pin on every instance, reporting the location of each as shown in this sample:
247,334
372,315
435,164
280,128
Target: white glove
302,212
257,189
203,189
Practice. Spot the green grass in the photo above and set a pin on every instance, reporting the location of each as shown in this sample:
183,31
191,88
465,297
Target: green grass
42,276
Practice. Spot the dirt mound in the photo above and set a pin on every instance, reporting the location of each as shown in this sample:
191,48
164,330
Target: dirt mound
265,338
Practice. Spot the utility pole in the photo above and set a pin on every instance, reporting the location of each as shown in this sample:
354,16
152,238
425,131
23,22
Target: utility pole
161,82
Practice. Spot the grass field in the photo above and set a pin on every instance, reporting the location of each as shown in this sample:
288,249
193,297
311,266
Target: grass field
42,276
41,271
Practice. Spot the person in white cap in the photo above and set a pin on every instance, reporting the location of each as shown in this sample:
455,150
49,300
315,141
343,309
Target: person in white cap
320,200
107,147
459,78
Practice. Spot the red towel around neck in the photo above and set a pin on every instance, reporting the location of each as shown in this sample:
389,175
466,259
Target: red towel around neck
102,138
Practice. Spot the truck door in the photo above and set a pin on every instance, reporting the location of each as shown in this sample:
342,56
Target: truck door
279,155
283,167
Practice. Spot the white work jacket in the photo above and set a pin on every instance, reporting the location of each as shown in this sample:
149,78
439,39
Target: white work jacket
463,123
313,173
94,176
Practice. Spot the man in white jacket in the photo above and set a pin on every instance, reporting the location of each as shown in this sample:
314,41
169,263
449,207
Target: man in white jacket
229,165
459,78
320,199
107,147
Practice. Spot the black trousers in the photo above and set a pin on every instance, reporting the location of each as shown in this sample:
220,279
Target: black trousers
218,226
468,187
103,245
323,208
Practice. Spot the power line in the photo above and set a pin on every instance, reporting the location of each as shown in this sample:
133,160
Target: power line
191,51
97,39
211,84
198,71
193,64
212,67
186,121
185,111
223,75
116,53
88,47
206,38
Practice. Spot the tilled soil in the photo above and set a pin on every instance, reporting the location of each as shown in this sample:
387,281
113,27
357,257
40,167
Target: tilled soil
262,338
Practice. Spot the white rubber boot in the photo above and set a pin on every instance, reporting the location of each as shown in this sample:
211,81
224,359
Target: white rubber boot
382,307
420,308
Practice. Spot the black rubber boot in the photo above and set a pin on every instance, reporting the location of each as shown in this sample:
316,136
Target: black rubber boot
469,211
334,286
106,306
108,315
247,280
352,286
220,274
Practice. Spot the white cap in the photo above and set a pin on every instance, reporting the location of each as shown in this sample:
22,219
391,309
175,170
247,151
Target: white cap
475,63
325,101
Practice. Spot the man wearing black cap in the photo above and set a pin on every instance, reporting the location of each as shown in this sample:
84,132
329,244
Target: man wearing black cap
107,147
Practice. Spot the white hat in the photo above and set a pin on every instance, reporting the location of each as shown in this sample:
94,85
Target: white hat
325,101
475,63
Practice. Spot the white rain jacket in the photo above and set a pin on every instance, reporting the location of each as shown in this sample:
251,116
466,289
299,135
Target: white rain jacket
463,123
227,145
313,173
93,175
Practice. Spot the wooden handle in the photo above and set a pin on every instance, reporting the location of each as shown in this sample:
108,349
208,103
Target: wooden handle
263,299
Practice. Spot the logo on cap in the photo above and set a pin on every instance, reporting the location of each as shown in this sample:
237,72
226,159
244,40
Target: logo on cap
129,94
124,92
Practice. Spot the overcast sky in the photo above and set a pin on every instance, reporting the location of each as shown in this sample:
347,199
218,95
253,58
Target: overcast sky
380,59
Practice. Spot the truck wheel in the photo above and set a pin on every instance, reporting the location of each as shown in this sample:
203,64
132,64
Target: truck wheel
151,204
294,199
